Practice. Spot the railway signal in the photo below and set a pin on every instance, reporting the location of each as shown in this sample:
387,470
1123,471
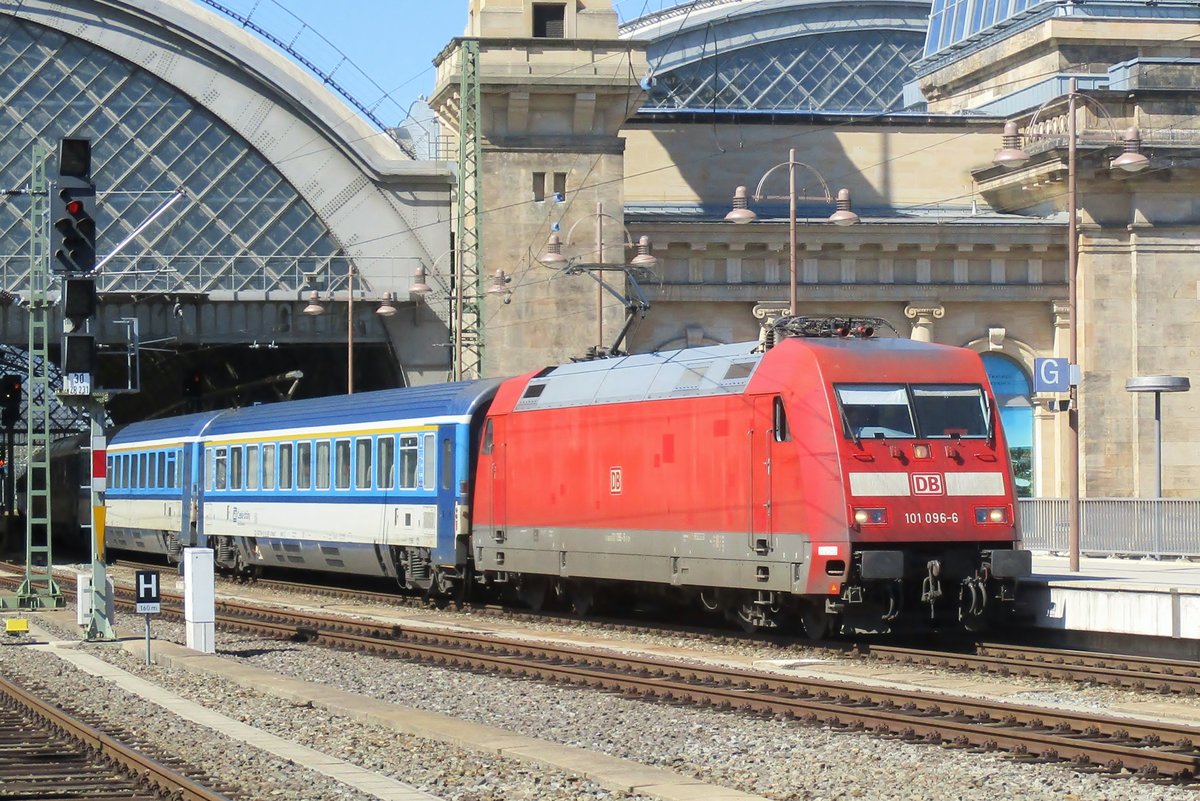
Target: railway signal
73,209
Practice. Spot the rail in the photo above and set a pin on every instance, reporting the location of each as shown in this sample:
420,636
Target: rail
1116,526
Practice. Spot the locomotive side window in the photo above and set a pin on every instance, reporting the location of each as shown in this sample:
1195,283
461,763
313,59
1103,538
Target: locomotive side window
488,436
875,411
341,459
252,467
268,459
285,465
408,462
429,477
304,465
385,463
362,463
950,410
322,464
782,434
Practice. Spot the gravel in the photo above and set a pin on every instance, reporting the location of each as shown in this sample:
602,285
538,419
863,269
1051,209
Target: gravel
778,759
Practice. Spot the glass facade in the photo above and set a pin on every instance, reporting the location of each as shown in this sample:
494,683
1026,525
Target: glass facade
241,225
951,21
849,71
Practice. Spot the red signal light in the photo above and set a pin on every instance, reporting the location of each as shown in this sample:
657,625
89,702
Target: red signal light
74,207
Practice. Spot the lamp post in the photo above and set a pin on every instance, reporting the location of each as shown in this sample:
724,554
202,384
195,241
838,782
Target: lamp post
554,259
314,308
1158,384
742,213
1012,156
497,285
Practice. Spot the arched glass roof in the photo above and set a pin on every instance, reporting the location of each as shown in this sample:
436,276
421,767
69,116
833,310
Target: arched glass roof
241,225
782,55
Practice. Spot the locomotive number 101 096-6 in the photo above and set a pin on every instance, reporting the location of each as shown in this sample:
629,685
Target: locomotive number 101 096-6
930,517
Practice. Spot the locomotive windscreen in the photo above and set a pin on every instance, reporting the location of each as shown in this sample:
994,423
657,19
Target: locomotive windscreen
905,411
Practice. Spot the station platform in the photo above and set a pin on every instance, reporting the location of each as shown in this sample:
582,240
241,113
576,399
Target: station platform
1113,600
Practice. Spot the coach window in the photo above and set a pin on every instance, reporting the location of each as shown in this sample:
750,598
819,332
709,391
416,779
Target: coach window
408,462
429,477
143,470
268,467
109,472
341,452
219,466
209,469
322,464
151,470
252,467
362,463
385,463
304,465
170,469
235,468
447,463
285,465
782,434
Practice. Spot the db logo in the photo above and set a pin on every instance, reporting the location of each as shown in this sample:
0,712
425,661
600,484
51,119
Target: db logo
614,480
928,484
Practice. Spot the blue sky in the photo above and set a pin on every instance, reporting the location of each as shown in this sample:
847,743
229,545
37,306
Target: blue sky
390,44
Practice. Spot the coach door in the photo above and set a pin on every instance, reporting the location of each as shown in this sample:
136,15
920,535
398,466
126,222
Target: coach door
762,439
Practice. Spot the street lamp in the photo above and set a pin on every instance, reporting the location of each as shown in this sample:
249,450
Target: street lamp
1011,156
742,213
314,309
553,258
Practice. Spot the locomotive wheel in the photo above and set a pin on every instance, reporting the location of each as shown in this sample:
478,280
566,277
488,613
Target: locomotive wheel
532,592
815,622
582,598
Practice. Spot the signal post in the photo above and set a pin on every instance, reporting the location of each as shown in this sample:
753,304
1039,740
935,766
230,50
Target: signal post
73,257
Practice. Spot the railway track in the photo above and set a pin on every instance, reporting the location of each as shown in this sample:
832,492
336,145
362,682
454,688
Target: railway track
47,752
1143,674
1116,745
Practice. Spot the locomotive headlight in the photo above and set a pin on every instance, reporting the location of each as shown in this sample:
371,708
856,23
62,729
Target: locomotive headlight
991,514
870,517
922,451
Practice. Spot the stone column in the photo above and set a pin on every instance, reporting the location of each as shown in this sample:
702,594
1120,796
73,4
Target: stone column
923,316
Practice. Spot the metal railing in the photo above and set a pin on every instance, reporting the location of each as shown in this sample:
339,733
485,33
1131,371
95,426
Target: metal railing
1115,526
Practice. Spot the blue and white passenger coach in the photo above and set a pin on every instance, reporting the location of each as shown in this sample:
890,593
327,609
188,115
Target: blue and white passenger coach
373,484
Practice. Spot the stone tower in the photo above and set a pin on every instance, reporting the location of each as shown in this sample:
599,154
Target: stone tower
556,85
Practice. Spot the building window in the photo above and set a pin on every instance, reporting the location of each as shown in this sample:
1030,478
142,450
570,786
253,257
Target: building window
560,186
539,187
549,20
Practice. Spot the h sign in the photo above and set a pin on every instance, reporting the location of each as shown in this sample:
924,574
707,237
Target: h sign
148,600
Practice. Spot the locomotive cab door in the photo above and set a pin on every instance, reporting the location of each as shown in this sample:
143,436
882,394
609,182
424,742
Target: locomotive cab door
763,433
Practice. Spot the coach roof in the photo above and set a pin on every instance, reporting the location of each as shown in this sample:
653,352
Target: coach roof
441,401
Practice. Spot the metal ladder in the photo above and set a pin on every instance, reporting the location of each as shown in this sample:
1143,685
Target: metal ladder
38,590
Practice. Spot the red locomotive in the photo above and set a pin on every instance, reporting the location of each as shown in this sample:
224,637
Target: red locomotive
836,479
